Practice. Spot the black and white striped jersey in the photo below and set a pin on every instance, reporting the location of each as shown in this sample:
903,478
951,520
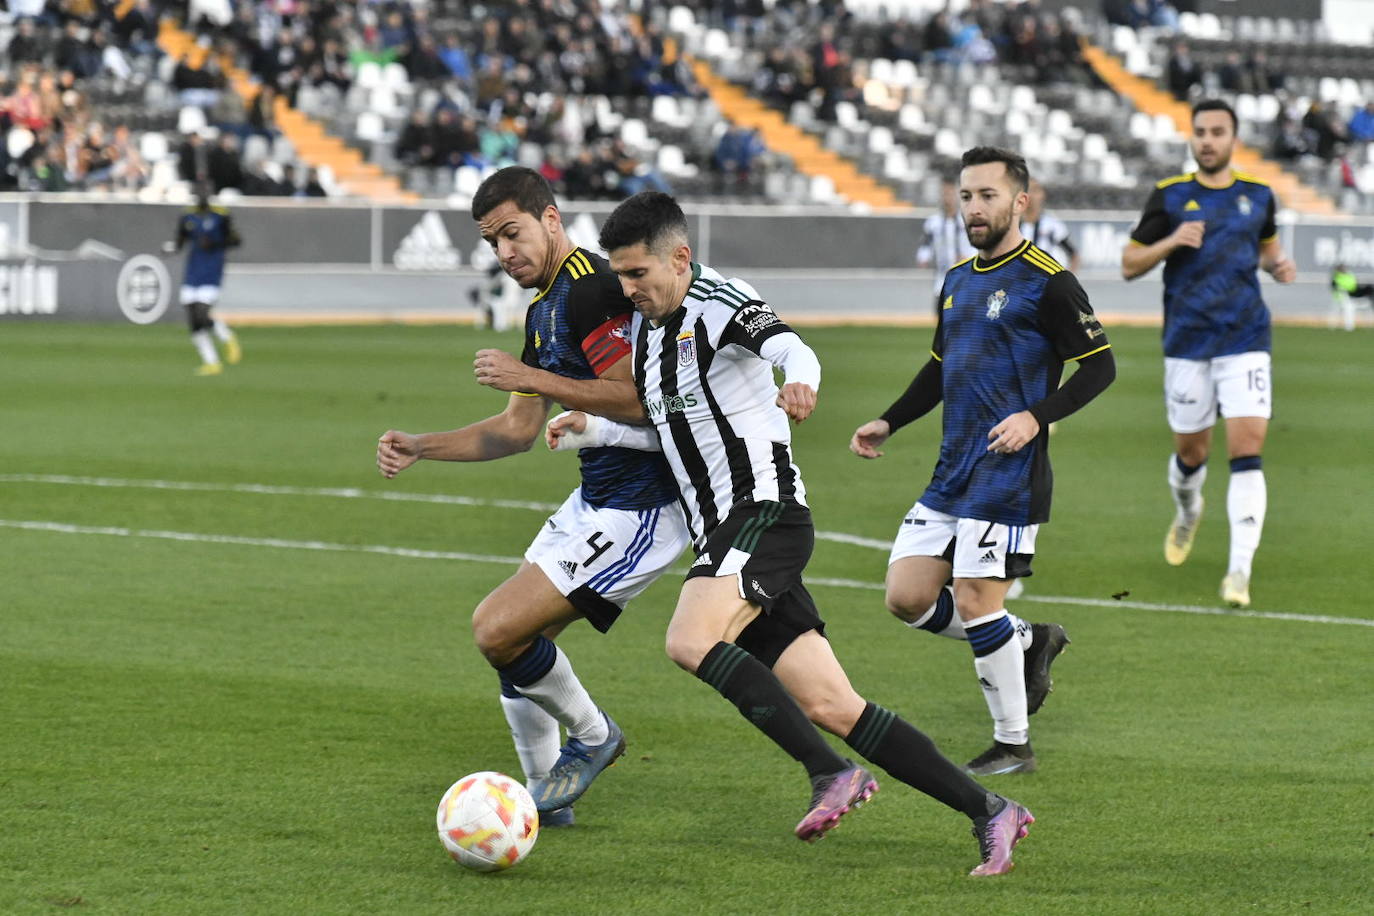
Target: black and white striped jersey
711,396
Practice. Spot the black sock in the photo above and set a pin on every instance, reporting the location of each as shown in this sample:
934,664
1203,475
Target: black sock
900,748
760,698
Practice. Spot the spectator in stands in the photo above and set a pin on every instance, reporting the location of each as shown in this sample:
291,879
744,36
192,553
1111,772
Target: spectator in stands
313,188
112,59
224,164
1323,134
137,29
198,86
193,159
939,37
414,145
70,52
44,173
1264,78
1233,74
262,115
734,158
25,107
456,59
423,63
330,67
1183,72
28,45
1361,127
288,187
1289,142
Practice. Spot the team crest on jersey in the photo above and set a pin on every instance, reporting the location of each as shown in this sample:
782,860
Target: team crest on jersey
1243,205
686,348
996,302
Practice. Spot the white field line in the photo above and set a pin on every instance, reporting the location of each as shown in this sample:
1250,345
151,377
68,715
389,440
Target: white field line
386,550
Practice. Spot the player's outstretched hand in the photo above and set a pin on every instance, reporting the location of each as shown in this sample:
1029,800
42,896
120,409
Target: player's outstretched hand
563,429
1013,433
868,437
798,399
498,369
1189,234
1284,270
396,451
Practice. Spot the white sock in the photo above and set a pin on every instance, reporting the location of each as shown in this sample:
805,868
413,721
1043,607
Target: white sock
535,734
1023,630
1002,675
562,695
1246,501
205,347
222,330
1186,490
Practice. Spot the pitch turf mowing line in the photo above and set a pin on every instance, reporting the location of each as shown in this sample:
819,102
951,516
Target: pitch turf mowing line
411,553
266,489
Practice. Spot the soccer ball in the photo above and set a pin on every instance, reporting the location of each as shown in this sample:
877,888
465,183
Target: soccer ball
487,821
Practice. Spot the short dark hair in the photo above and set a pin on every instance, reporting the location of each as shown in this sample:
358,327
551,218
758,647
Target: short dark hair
1216,105
1015,163
527,188
649,217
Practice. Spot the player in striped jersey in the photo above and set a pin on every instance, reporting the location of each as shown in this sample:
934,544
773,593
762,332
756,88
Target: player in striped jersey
1010,318
705,349
610,539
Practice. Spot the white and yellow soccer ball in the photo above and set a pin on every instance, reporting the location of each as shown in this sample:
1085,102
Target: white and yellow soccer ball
487,821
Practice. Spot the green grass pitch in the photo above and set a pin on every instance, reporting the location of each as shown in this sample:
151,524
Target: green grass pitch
195,725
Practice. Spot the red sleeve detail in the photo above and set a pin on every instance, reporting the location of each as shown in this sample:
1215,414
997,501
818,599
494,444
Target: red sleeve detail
606,345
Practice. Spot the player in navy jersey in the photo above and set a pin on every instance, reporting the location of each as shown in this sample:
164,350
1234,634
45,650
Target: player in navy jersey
210,233
705,350
1214,229
1010,318
610,539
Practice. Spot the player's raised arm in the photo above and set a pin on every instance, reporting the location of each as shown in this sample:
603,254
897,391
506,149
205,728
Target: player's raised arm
574,429
513,430
612,394
1154,238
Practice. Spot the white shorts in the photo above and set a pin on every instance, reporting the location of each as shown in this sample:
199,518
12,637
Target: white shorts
207,294
601,558
1195,388
977,549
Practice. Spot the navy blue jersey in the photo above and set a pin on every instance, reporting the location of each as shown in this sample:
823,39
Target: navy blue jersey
1212,302
210,233
1006,329
579,327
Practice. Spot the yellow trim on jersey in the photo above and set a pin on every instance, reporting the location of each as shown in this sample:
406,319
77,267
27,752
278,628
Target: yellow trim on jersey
1074,359
581,261
564,263
1043,261
1014,253
937,356
1175,180
526,394
963,262
1246,176
1271,238
1134,242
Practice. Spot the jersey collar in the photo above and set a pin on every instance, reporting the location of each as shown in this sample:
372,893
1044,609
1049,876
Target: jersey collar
1002,260
558,270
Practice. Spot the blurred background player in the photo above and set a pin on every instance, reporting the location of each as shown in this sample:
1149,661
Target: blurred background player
943,240
1345,289
1047,231
1214,228
496,296
210,232
1009,320
613,535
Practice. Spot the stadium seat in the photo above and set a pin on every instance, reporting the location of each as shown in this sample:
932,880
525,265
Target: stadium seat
634,133
664,110
822,190
152,146
368,75
847,115
191,120
904,74
394,76
370,126
881,69
466,180
1165,128
255,149
911,118
18,141
681,20
1094,146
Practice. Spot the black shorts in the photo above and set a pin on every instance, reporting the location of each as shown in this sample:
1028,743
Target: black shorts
766,546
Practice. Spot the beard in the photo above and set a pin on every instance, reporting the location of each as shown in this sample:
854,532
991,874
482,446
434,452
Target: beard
1221,161
994,233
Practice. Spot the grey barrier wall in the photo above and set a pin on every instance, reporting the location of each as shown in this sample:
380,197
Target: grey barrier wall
308,239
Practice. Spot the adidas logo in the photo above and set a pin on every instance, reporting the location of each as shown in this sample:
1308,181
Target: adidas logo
427,247
989,557
569,567
1192,205
703,560
987,684
760,714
